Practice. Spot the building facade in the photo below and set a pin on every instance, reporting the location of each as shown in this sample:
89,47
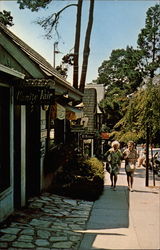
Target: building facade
29,87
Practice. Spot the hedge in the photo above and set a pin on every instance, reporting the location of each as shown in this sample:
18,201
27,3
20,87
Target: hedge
79,178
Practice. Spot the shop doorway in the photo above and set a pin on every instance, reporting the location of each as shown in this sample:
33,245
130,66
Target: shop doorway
32,150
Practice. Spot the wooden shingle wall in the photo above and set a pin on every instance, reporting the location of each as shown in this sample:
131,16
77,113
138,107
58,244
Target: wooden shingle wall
90,104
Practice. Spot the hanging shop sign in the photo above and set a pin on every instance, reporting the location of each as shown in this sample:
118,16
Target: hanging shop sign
34,96
105,135
87,136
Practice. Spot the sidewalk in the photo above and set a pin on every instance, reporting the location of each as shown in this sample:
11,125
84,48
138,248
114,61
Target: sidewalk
49,222
125,220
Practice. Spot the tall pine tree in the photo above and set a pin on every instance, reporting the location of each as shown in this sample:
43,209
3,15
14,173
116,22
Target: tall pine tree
149,41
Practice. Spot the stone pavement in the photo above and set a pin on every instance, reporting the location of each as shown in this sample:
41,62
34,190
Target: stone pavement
125,220
49,222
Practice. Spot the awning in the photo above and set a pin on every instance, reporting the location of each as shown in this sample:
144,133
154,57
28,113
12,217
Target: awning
65,111
58,111
73,113
61,112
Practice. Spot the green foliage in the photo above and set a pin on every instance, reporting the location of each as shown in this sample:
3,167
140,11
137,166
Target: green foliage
80,178
143,111
34,5
69,59
149,41
121,70
95,166
62,70
125,109
112,110
6,18
122,76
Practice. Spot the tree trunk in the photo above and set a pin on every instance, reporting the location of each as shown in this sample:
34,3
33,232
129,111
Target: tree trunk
76,46
86,47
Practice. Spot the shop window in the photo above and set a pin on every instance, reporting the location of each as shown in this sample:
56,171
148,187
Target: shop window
4,138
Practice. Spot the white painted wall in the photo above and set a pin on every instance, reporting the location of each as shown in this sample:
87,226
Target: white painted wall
23,155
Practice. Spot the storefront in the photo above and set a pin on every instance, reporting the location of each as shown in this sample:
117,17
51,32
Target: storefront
7,140
28,87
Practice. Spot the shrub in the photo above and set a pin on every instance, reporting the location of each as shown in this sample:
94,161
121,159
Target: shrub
80,178
56,157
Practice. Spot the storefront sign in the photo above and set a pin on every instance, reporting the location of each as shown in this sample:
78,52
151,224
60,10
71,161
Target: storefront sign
87,136
105,135
33,96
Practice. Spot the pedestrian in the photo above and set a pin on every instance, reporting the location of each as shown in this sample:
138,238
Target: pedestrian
130,156
113,159
142,155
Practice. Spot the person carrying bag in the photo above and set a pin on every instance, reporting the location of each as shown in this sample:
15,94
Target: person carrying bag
130,156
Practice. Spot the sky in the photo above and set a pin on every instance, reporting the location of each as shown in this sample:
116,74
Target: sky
116,25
